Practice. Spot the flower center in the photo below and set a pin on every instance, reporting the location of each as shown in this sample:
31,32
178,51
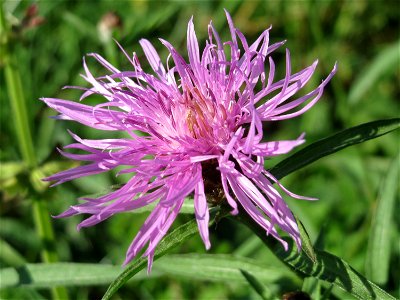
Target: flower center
212,182
200,113
197,122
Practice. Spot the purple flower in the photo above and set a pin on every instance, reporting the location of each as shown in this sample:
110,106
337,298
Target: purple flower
203,134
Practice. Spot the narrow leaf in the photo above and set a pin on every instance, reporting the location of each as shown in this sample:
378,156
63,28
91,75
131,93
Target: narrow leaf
312,287
248,247
379,243
260,289
175,238
19,234
306,243
220,267
385,61
327,267
42,275
334,143
9,255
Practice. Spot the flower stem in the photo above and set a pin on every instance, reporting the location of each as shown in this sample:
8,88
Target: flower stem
15,91
19,115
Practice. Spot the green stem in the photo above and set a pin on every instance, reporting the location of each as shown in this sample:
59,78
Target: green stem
15,91
44,230
24,137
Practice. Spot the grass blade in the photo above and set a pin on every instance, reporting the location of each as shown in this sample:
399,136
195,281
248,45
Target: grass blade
306,243
208,267
327,267
379,244
175,238
384,62
260,289
220,267
42,275
10,256
334,143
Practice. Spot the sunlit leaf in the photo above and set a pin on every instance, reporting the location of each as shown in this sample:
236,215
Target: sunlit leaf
9,255
260,288
175,238
383,63
220,267
249,246
81,25
306,243
379,245
312,286
43,275
327,267
334,143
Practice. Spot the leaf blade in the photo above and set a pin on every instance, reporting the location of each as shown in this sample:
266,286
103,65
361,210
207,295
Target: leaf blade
178,236
334,143
385,62
220,267
306,243
44,275
379,242
328,267
258,287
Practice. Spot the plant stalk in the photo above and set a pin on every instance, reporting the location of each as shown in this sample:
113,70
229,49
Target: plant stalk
22,130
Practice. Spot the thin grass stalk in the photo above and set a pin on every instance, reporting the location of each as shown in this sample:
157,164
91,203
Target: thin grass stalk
22,130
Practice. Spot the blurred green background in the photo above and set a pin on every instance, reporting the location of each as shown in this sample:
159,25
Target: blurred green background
362,36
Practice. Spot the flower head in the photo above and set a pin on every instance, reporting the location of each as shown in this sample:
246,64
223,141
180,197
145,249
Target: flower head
203,135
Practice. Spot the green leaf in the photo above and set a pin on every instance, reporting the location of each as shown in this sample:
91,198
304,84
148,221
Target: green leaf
175,238
43,275
379,243
248,247
81,25
15,88
19,234
334,143
45,142
219,267
312,287
306,243
327,267
260,289
9,255
385,61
